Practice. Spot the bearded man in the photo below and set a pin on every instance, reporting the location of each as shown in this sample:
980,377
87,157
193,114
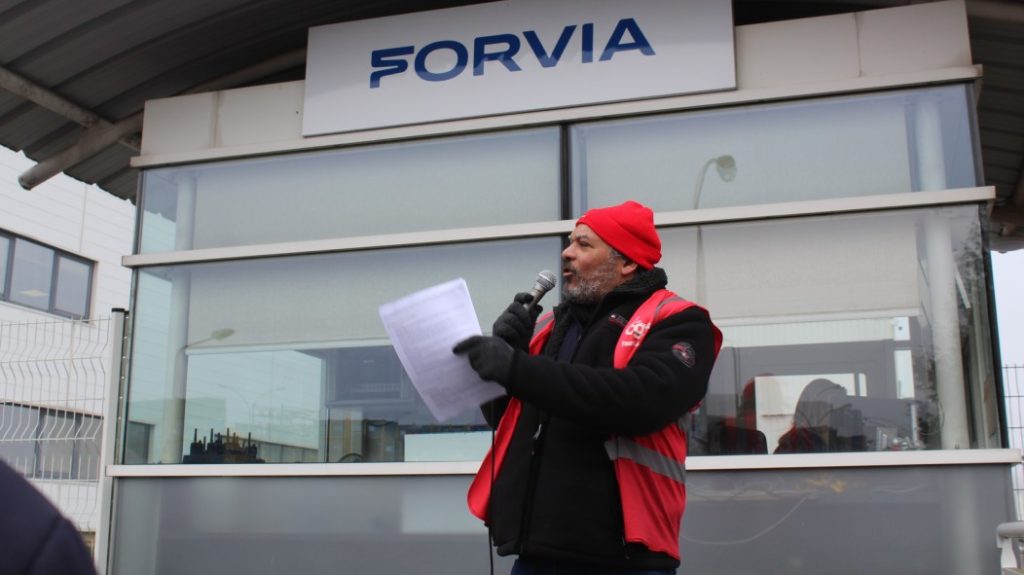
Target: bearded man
587,473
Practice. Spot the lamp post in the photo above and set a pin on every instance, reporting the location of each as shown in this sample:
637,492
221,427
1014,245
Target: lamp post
726,167
215,335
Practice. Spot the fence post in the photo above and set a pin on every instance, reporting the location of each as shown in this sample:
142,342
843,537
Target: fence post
113,414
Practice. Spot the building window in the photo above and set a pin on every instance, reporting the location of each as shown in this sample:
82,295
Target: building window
44,278
892,143
46,443
284,359
311,377
433,184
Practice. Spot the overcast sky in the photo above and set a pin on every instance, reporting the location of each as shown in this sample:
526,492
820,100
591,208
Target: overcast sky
1008,278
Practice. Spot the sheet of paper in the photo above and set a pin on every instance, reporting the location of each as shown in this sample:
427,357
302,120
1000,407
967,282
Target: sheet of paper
424,327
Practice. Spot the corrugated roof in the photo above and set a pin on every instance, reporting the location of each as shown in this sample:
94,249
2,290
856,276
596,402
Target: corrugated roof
75,74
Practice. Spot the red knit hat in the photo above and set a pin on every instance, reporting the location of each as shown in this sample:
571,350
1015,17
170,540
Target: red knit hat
629,228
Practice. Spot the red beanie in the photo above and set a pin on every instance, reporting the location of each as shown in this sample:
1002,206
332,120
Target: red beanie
629,228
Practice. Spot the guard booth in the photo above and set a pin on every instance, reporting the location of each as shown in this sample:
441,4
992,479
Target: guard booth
817,188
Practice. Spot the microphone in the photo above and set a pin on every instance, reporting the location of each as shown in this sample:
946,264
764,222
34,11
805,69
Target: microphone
545,281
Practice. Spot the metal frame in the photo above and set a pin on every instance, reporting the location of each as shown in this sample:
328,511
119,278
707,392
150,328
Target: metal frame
664,219
957,457
110,446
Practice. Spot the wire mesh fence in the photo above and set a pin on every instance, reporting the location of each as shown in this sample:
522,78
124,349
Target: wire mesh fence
1013,389
53,378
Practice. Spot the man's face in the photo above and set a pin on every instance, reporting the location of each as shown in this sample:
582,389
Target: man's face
589,270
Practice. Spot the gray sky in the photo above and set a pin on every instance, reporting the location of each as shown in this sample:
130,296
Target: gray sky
1008,278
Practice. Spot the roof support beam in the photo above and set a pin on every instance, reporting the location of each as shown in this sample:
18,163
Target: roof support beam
92,142
99,134
24,88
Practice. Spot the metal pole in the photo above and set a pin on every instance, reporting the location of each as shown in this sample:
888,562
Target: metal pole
113,423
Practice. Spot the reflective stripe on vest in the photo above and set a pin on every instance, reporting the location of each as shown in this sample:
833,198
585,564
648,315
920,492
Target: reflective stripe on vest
625,448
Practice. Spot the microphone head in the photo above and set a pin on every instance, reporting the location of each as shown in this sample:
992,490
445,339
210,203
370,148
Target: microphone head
546,279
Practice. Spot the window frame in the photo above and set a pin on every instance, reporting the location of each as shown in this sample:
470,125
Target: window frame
55,276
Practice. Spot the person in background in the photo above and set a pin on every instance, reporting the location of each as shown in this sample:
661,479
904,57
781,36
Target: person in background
587,474
818,415
35,539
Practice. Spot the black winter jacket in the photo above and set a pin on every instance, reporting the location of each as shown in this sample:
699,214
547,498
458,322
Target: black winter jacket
35,539
556,496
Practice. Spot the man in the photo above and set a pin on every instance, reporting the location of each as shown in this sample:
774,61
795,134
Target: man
35,539
586,474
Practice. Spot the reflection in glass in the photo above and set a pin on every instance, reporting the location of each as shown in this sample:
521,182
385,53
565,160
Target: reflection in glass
31,274
782,152
453,182
285,360
73,282
5,246
843,333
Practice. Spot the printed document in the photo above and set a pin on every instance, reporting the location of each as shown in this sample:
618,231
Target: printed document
424,327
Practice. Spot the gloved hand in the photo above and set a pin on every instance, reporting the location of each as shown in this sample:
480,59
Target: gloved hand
515,324
491,357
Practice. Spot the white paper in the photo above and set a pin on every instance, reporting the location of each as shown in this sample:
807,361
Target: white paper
424,327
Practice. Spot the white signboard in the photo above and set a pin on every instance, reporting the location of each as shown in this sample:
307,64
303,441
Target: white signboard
513,56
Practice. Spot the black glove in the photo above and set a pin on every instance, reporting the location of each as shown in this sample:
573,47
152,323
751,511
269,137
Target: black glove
490,357
515,324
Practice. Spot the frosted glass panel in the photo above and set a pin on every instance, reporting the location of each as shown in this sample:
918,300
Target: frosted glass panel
467,181
806,150
884,313
798,267
286,359
888,520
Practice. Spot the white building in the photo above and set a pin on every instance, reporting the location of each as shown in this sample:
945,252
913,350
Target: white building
60,277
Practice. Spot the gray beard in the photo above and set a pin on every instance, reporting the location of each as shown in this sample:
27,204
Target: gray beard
592,290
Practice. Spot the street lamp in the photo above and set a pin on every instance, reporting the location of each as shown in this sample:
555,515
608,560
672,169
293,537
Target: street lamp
726,167
215,335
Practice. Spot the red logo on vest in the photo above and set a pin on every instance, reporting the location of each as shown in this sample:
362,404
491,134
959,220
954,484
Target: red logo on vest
636,330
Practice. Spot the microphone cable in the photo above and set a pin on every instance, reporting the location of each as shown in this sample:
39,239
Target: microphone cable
490,489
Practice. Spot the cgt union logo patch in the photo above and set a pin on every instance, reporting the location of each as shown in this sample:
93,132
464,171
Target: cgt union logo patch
685,353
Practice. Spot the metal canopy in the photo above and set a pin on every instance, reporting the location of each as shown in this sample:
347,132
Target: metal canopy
75,74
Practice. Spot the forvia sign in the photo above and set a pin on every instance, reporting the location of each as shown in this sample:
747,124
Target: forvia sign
506,47
513,56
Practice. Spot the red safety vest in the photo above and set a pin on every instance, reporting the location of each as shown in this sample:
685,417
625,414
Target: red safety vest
651,469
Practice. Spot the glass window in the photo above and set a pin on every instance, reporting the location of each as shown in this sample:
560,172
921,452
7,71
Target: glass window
5,248
44,278
286,359
32,274
805,150
49,443
18,427
74,279
842,333
467,181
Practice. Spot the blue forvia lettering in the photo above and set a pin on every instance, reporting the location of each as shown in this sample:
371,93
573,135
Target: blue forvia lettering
545,59
461,59
386,59
504,49
480,54
615,41
588,44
